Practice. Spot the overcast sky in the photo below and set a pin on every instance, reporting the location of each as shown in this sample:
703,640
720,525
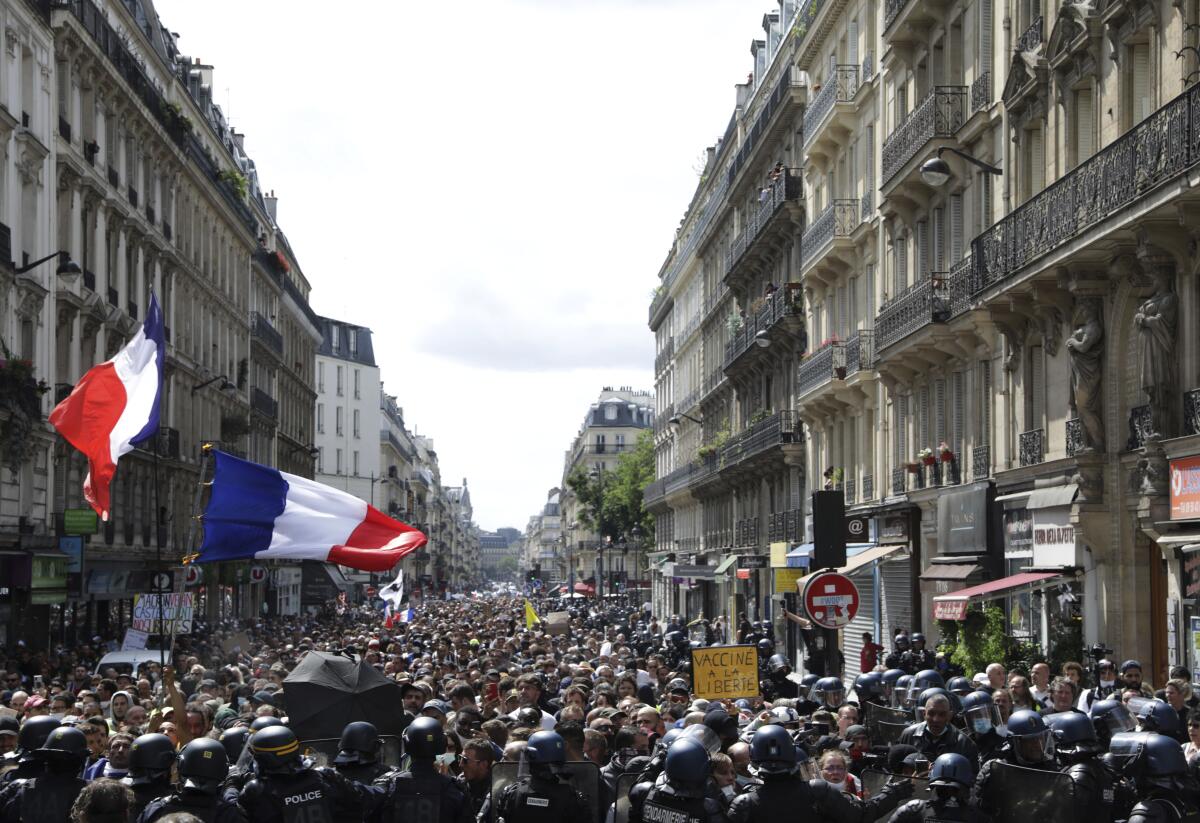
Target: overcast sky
490,186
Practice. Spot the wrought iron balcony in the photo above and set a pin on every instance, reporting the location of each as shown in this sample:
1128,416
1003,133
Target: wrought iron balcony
848,489
1074,437
167,443
745,532
1033,447
840,87
1159,148
262,331
899,484
981,92
769,433
789,80
837,220
868,68
913,309
868,203
1141,427
664,357
1031,38
940,114
891,10
784,303
786,526
264,403
660,420
786,186
981,462
961,286
860,351
64,128
1191,412
817,369
868,487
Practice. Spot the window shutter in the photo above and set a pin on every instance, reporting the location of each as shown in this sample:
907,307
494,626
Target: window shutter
985,210
852,36
1037,161
869,165
843,313
854,304
958,390
923,418
985,403
985,35
832,68
939,239
922,249
901,266
870,287
1084,127
901,438
1036,389
939,412
1141,82
956,228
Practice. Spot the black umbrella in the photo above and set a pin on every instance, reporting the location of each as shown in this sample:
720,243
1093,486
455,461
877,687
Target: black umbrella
327,691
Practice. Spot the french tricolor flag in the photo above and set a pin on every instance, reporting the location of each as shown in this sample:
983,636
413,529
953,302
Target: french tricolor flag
259,512
114,406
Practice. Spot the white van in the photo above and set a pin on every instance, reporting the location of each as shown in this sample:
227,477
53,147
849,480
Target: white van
128,662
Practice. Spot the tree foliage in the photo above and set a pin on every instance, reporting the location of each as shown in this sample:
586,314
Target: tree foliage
611,504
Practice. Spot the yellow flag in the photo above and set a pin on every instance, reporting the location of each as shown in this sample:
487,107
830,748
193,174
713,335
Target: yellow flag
530,615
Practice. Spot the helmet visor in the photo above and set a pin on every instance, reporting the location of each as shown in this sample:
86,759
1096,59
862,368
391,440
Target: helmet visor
1116,720
1034,748
983,718
833,698
807,769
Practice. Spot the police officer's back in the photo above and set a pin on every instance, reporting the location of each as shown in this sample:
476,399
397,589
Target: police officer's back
203,765
21,764
358,753
1156,764
681,798
150,760
541,797
287,789
1079,750
421,793
787,793
50,795
950,782
1030,744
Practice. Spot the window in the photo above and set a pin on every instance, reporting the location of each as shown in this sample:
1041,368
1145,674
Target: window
956,228
600,443
1034,157
357,383
939,239
357,433
1037,389
338,467
321,460
901,270
320,418
620,438
320,378
352,336
340,422
1084,126
610,411
335,334
870,288
1139,83
922,249
340,382
356,462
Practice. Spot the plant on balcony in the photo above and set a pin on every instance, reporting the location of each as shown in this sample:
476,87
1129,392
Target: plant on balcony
945,452
236,181
21,397
758,304
734,322
926,456
912,468
759,416
714,446
280,261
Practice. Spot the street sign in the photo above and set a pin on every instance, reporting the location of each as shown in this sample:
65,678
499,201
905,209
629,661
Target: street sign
830,599
752,561
193,575
80,521
720,672
162,582
257,574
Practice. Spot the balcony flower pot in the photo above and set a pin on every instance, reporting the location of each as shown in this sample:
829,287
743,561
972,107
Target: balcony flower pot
840,371
947,456
913,468
929,460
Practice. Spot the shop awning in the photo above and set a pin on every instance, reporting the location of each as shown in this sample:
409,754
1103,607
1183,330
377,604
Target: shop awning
723,566
953,605
950,571
866,556
1186,541
1053,496
798,557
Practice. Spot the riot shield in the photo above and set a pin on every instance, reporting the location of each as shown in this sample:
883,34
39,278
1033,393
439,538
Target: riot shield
1015,794
324,750
872,782
583,776
621,803
885,733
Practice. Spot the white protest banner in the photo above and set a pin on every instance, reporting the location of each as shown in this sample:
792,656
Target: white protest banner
134,640
176,613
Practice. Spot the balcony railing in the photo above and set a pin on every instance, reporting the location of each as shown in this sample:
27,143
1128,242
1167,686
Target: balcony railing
789,79
981,92
817,369
1191,412
848,489
1157,149
981,462
745,532
785,302
1031,38
860,351
939,115
840,87
899,484
868,68
167,443
839,219
868,487
868,204
961,286
1033,447
654,492
768,433
786,526
262,330
786,186
913,309
664,357
1074,437
1141,427
264,403
891,10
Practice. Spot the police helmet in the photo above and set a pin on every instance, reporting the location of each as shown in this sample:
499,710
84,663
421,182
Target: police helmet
703,734
548,748
960,686
64,745
150,759
829,691
806,684
952,769
901,642
424,739
917,637
1149,757
772,751
923,698
980,713
673,638
1073,732
276,750
234,740
34,732
359,744
887,682
687,767
765,646
778,664
203,765
264,722
1109,718
671,735
1032,740
867,685
1154,715
900,695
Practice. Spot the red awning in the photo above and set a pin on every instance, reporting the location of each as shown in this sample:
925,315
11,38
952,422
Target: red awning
953,605
584,588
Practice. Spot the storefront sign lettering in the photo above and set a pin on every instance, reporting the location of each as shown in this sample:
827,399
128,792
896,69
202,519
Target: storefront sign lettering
1018,534
1185,488
962,521
1054,537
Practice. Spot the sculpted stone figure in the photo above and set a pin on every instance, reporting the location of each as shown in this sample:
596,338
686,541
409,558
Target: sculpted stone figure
1156,322
1085,346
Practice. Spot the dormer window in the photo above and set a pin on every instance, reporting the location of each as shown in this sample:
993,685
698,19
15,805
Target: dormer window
610,411
353,336
335,334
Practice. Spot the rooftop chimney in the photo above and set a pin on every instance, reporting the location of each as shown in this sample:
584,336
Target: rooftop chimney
271,202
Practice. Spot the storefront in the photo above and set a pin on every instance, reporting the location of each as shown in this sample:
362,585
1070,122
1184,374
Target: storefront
1179,542
968,535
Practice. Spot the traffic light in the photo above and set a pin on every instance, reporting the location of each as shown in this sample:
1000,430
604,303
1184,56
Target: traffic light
829,530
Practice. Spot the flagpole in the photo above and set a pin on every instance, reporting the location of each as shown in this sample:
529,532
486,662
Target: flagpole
158,565
205,453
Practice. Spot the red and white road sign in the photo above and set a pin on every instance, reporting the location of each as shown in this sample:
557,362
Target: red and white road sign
830,599
193,575
257,574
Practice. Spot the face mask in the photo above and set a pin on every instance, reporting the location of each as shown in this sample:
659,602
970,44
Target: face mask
445,759
1107,684
981,725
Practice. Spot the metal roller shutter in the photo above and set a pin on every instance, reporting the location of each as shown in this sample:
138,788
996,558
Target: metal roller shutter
896,576
864,621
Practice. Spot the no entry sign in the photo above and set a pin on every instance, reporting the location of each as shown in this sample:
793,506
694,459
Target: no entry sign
830,599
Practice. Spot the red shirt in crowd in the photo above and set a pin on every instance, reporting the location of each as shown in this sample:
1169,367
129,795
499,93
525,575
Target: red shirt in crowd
868,657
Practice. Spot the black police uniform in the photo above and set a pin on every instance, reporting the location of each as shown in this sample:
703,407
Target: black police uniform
939,809
211,808
1094,789
663,805
981,797
1161,807
950,741
775,687
540,799
422,794
988,744
308,796
44,798
365,773
146,793
790,798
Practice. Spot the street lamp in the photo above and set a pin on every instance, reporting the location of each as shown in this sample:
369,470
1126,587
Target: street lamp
676,419
67,269
761,340
936,172
225,384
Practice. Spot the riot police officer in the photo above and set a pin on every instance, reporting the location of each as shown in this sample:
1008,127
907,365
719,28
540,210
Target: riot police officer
960,686
787,794
896,657
922,680
658,759
20,763
234,740
777,684
50,795
918,657
936,734
1079,750
982,717
806,704
1030,744
203,766
828,693
421,793
887,685
287,789
150,760
868,688
950,782
681,797
1157,766
358,753
540,797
